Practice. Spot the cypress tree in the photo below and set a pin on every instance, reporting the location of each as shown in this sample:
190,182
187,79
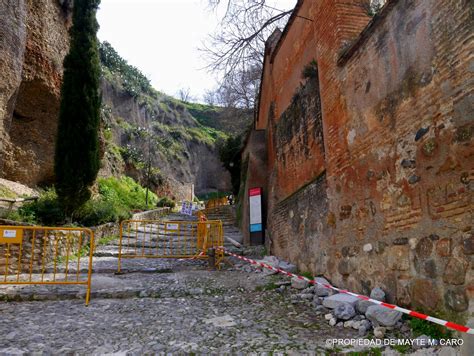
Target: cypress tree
77,159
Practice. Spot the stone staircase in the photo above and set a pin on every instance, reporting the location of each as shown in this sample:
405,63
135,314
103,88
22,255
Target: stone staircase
227,214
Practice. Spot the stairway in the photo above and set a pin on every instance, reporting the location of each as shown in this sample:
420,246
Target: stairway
227,214
224,213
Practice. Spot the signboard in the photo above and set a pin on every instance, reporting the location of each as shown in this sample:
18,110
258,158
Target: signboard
11,236
172,226
187,208
255,203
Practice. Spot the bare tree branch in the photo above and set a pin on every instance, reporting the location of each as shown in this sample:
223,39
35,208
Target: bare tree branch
236,51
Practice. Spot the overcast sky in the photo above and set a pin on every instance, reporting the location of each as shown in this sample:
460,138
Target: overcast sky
161,38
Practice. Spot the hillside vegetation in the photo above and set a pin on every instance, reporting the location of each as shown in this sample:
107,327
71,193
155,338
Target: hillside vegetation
161,142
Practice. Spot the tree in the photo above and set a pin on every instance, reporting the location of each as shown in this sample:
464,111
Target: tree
229,154
184,94
238,90
236,50
77,159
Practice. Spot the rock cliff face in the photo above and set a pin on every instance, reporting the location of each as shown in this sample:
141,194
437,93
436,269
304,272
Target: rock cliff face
31,56
12,49
34,40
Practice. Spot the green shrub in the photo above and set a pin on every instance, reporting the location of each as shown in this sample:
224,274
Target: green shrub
100,211
423,327
132,79
229,154
307,274
46,210
126,192
166,202
117,198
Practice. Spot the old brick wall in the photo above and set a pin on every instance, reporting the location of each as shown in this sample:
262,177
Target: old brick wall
394,207
298,140
407,186
298,227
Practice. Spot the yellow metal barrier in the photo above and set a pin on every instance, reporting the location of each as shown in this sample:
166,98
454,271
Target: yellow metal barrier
46,255
169,239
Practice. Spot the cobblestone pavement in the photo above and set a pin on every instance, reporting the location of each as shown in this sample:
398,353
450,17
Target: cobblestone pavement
164,306
185,309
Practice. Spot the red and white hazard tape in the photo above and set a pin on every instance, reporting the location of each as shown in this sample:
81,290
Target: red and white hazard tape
412,313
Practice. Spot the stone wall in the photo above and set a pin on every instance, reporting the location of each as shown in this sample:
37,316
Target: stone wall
394,207
37,33
40,248
57,242
254,175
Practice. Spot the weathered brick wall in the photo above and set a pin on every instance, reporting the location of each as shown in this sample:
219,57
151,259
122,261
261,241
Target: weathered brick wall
395,207
405,185
298,140
297,227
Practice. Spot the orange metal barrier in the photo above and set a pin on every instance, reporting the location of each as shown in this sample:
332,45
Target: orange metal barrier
46,255
169,239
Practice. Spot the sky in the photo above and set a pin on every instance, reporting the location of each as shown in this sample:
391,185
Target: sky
162,37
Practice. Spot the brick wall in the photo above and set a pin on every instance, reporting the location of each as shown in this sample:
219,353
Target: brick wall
395,205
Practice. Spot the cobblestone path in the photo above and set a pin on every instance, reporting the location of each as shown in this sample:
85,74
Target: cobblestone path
163,306
185,309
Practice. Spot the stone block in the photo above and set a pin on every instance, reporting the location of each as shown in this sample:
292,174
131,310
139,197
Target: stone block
344,311
455,271
423,248
424,294
456,299
400,241
271,260
289,267
430,269
383,316
367,248
377,294
321,291
345,267
380,247
444,247
334,300
299,283
422,341
362,305
350,251
398,258
468,245
379,332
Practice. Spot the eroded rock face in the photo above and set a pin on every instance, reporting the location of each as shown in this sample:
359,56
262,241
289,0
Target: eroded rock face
12,50
38,31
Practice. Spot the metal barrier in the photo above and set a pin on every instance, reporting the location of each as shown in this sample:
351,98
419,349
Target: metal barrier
46,255
216,202
170,239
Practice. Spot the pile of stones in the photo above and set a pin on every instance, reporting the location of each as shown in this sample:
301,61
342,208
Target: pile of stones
339,309
344,310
